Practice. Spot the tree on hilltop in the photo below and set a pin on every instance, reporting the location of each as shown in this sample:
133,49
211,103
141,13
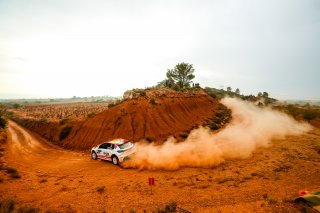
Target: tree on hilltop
237,91
181,76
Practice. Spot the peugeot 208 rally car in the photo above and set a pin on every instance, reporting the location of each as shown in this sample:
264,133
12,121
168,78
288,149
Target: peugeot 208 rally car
116,150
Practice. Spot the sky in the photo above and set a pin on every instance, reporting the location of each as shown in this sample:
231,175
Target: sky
51,49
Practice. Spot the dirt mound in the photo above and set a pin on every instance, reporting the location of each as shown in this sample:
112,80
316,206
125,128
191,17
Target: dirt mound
154,115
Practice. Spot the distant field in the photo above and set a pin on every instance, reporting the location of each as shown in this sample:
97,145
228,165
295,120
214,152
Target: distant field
57,112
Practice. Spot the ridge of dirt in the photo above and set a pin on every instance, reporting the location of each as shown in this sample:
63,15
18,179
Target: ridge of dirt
155,115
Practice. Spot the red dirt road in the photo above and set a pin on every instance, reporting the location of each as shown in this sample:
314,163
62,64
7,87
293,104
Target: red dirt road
66,181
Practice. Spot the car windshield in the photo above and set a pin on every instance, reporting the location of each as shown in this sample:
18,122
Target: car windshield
125,145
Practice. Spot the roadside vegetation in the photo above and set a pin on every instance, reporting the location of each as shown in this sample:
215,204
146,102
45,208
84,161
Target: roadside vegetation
8,206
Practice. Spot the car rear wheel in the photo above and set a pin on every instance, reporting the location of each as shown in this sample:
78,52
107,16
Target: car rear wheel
115,160
94,155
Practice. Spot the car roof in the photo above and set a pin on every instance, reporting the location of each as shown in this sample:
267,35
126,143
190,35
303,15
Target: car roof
117,141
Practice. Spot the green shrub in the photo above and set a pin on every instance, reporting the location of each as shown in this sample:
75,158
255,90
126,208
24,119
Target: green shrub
101,189
220,114
91,114
309,115
170,207
152,101
293,110
28,210
65,132
16,106
3,123
213,126
142,93
64,120
7,206
43,120
11,170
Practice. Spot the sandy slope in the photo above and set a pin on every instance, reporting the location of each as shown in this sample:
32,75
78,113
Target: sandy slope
66,181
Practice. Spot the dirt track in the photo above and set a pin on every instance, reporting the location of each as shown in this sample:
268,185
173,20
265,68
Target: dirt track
67,181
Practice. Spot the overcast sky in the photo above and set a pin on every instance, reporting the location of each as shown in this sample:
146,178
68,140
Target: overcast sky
89,48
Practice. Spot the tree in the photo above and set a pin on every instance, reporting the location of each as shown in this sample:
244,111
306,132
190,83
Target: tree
229,89
237,91
259,94
181,75
265,95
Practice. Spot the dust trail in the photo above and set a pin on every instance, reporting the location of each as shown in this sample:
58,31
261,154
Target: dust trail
251,127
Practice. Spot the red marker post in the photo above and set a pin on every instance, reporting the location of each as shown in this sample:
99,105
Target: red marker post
151,183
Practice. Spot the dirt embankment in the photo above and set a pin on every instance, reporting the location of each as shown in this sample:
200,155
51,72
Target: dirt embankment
152,116
50,130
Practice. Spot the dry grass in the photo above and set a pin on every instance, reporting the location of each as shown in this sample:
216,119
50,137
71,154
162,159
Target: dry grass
60,112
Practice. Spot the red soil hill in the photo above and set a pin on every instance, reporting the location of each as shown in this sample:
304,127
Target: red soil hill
154,116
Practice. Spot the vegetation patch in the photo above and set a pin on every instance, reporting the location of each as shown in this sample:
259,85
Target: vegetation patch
152,101
170,207
28,210
7,206
3,123
101,189
65,131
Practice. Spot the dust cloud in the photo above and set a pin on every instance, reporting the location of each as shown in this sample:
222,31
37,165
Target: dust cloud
250,127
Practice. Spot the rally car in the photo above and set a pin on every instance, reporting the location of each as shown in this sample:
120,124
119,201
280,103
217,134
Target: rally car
116,150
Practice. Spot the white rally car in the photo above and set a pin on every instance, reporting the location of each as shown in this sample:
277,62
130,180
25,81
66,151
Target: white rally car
116,150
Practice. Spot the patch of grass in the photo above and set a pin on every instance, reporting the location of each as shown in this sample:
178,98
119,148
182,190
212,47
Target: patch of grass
123,112
65,131
43,180
224,179
265,195
170,207
213,126
152,101
247,177
257,174
282,168
43,120
203,186
184,135
101,189
272,200
7,206
15,175
310,115
91,114
64,120
3,123
10,170
28,210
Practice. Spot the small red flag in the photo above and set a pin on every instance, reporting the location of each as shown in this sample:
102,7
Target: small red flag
151,181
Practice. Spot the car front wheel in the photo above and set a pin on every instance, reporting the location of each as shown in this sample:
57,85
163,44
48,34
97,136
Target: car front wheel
115,160
94,155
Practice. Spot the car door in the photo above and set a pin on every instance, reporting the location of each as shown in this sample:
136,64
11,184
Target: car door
101,152
107,152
